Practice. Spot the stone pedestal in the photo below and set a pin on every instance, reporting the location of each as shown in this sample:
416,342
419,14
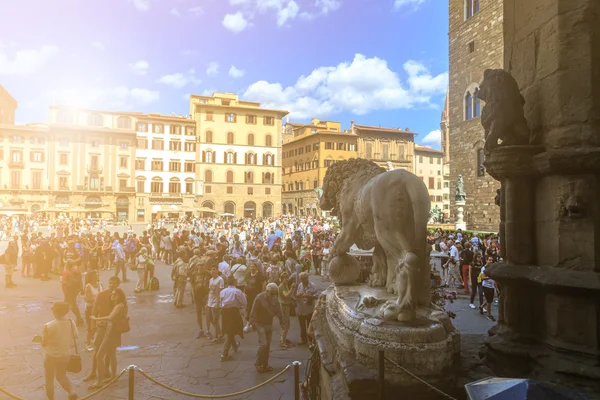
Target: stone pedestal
349,337
460,215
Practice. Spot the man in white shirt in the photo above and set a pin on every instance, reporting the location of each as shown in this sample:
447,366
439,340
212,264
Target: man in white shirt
213,305
224,267
232,301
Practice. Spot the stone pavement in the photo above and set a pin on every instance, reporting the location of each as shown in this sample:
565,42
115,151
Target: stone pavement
162,342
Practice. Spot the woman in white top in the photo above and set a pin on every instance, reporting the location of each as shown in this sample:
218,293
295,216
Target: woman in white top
58,336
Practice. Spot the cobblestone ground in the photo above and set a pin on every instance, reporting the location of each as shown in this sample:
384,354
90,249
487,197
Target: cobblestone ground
161,342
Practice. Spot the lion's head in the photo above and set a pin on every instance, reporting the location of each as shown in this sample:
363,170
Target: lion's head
497,86
339,172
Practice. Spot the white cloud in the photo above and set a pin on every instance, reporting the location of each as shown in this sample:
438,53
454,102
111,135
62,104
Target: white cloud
289,12
326,6
360,86
197,11
175,12
140,67
98,46
235,72
141,5
433,139
179,80
212,69
236,23
26,61
398,4
117,98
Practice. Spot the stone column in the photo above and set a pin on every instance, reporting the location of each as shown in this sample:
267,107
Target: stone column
460,221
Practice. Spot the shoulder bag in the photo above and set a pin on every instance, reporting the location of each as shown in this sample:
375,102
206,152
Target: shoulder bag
74,365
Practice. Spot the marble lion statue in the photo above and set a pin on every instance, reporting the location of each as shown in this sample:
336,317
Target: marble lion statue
387,211
502,116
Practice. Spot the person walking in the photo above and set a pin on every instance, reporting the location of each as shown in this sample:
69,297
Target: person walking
91,290
265,308
474,271
11,256
287,300
56,341
140,266
305,301
232,301
213,309
119,259
199,277
488,291
255,283
72,285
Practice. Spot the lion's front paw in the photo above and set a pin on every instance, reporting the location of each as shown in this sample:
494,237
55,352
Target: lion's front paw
389,311
376,280
391,288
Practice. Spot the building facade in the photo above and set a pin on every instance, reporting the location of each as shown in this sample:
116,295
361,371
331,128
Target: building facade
430,167
308,150
165,167
476,44
388,147
239,155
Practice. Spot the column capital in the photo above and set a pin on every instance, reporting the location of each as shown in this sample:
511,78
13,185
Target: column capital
512,161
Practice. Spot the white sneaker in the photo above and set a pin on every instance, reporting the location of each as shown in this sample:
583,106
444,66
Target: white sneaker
484,309
472,305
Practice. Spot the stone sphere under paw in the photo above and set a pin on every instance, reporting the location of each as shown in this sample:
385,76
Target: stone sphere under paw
344,270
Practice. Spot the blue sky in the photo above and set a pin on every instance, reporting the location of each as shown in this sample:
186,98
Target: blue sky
378,62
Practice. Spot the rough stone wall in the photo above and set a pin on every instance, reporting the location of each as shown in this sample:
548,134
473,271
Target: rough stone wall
485,28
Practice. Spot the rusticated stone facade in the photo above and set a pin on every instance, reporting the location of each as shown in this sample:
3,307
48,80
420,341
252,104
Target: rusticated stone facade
476,43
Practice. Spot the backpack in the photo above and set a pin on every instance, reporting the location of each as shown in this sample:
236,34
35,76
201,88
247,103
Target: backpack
154,284
130,246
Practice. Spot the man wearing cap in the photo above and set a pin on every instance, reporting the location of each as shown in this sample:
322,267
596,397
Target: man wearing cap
265,307
305,302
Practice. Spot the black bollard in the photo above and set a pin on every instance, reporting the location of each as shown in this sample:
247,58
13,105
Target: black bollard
131,370
296,365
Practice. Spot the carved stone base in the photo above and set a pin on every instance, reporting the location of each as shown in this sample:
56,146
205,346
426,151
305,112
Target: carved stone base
344,270
350,338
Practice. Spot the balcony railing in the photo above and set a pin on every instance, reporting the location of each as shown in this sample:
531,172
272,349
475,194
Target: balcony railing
16,164
127,189
95,169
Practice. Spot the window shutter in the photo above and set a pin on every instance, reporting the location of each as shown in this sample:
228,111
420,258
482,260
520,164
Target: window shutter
246,158
235,158
204,156
225,155
214,157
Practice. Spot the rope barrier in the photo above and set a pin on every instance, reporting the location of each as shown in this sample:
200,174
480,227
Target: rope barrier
419,379
207,396
145,375
112,381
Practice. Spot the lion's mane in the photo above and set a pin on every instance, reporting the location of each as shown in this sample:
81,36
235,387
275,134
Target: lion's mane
340,172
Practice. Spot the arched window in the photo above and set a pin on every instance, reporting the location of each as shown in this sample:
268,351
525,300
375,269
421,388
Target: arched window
480,160
468,106
229,208
156,186
95,120
250,139
249,177
268,141
251,158
270,160
208,157
230,157
268,178
209,204
208,176
230,138
229,177
209,137
267,210
476,107
124,123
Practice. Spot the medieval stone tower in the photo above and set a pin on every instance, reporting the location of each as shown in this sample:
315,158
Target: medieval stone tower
476,44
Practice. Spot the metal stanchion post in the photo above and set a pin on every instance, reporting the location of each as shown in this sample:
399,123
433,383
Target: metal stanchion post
296,365
381,380
131,369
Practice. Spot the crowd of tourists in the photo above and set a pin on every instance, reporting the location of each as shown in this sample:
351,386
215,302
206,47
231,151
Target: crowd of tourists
241,275
464,260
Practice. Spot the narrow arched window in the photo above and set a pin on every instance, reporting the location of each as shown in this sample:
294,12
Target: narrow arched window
250,140
209,137
230,138
468,106
208,176
480,160
229,176
268,141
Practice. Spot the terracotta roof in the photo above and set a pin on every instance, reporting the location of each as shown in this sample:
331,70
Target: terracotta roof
376,128
427,149
6,94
